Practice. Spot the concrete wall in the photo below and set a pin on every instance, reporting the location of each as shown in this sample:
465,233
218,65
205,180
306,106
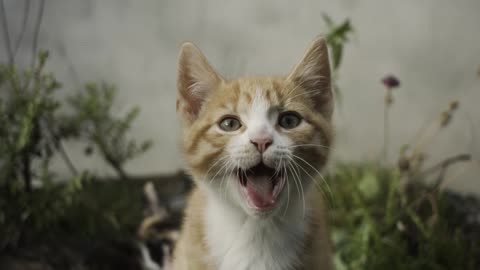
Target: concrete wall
433,46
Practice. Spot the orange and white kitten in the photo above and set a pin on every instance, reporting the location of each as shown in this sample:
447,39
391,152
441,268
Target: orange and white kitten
254,146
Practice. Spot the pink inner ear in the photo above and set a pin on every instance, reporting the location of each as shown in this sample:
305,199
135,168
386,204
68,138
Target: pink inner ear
191,100
194,80
191,107
191,93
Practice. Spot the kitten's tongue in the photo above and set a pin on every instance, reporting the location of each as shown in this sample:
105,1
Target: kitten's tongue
260,191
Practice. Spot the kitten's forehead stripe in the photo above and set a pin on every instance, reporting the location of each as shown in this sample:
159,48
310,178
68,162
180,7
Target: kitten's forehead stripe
268,95
276,85
236,90
248,97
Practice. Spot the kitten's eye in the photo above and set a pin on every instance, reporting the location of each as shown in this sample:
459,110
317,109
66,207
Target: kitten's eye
229,124
289,120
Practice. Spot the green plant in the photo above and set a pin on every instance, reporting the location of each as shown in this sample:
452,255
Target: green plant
337,36
97,126
395,218
33,129
390,82
28,124
376,225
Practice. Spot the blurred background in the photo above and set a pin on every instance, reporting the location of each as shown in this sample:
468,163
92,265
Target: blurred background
407,79
431,46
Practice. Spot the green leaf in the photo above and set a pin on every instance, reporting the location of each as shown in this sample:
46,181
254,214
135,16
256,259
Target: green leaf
418,222
403,150
369,185
337,52
26,126
328,20
391,199
338,263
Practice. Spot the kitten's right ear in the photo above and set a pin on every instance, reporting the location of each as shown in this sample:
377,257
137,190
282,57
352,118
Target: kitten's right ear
313,75
195,79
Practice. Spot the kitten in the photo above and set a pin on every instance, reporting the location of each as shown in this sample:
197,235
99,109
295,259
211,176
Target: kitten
254,146
158,231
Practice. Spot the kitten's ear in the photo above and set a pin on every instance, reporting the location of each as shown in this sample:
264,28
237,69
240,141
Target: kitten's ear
195,78
313,75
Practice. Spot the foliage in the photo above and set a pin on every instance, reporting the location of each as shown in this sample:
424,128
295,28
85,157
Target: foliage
381,217
386,217
33,129
27,116
97,125
377,226
26,216
336,38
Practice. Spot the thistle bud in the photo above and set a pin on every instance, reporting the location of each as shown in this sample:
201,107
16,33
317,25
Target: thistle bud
390,82
453,105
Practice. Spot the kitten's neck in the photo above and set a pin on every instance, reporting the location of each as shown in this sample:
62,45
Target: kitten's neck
238,241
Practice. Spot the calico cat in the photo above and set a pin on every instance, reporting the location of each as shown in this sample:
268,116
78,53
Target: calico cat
254,147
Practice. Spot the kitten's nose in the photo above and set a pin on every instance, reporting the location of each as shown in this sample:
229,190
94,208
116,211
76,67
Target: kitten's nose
262,143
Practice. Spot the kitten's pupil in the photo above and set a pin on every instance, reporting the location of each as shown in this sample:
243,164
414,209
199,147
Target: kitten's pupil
289,120
229,124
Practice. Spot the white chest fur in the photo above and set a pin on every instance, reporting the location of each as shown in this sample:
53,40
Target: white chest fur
240,242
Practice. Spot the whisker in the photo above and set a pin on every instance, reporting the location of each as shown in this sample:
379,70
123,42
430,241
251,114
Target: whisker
316,183
281,168
301,187
318,172
288,189
294,179
308,144
287,170
223,183
307,173
285,207
234,168
215,163
224,164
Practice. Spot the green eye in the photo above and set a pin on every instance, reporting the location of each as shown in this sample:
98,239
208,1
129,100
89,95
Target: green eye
229,124
289,120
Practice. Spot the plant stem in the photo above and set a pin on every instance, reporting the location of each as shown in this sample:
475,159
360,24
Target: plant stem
36,33
117,166
26,12
444,165
6,34
66,158
58,144
26,173
385,132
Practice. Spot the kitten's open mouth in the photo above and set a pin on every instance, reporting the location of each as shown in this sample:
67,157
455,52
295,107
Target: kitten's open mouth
261,185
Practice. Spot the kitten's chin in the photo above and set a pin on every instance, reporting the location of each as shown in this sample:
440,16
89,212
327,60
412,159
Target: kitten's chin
260,188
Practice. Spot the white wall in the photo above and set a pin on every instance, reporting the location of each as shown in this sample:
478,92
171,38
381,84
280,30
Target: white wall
433,46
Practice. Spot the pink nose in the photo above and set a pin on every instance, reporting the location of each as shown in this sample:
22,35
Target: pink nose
262,143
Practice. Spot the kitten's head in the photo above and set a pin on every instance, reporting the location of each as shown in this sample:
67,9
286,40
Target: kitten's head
257,142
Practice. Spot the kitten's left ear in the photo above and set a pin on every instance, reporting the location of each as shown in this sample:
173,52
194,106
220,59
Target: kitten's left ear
195,79
313,75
